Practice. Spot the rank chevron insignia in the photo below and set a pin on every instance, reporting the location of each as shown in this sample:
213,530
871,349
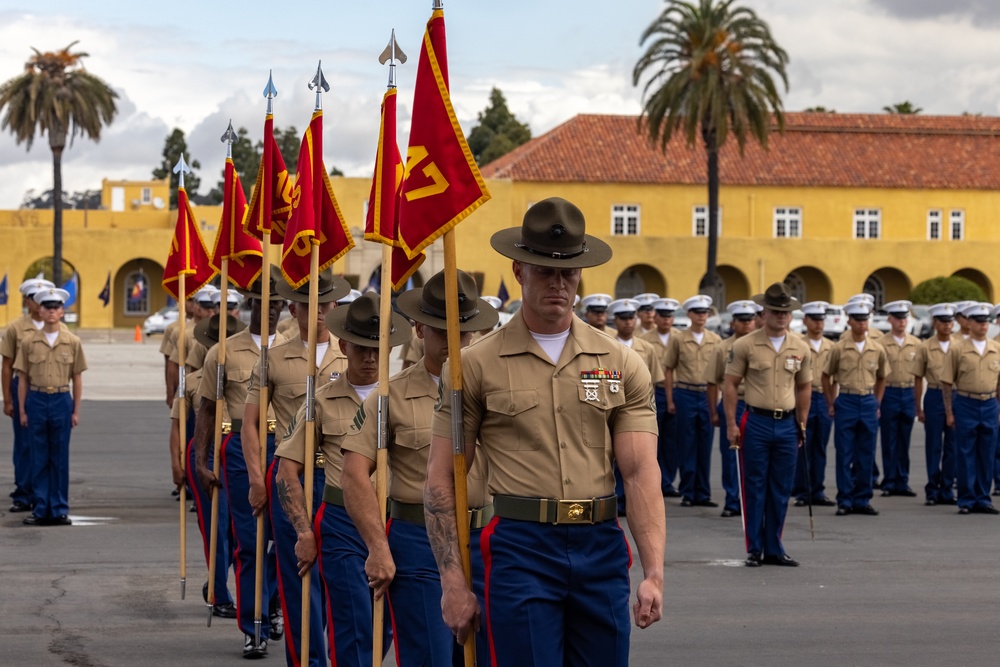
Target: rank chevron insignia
359,417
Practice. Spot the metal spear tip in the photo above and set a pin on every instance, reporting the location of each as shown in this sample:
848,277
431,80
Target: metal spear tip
230,136
181,166
319,81
270,92
392,51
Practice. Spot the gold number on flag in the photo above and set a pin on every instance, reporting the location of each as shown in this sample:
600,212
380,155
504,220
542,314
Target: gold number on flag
414,156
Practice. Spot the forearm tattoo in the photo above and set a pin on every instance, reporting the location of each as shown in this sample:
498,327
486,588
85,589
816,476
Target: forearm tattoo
293,502
439,517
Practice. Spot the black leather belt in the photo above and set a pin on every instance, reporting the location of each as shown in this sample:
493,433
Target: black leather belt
333,495
773,414
236,426
552,510
414,513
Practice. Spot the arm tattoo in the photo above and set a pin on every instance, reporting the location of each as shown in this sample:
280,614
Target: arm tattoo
439,516
293,503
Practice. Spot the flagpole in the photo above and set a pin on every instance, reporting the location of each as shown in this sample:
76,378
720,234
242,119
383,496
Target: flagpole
270,92
180,169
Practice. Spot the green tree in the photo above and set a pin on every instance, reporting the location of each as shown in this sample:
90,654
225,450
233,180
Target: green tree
335,171
905,108
711,71
289,142
173,147
942,290
246,161
498,132
56,96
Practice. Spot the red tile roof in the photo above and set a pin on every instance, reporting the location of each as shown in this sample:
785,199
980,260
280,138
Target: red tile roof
817,149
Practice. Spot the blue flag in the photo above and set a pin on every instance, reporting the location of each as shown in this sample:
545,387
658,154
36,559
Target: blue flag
71,286
3,291
105,294
502,293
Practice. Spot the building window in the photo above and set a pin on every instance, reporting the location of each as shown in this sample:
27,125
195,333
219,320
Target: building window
957,225
787,223
699,222
625,220
934,225
147,195
136,294
867,223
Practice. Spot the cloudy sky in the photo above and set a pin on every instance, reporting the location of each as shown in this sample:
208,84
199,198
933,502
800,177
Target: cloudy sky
195,65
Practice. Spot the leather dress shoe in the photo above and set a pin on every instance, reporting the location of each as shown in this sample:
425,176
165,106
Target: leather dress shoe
705,503
783,559
753,560
823,501
225,610
985,509
729,513
930,502
18,506
843,511
685,503
947,501
964,510
887,492
867,510
32,520
996,492
801,502
61,521
671,493
906,492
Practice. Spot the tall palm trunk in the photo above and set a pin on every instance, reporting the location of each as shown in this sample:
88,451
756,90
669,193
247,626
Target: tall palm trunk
57,142
708,283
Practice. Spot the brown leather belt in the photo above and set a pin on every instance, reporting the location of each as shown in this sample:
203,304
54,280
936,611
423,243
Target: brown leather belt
857,392
985,396
414,513
50,390
552,510
690,387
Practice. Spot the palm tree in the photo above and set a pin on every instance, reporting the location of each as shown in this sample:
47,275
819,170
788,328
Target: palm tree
711,71
56,96
905,108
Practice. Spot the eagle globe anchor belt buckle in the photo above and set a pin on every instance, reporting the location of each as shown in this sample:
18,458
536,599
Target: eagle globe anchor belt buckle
236,426
555,511
50,390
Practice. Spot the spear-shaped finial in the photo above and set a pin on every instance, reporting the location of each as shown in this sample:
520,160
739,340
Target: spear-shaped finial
320,85
180,169
270,92
229,138
391,54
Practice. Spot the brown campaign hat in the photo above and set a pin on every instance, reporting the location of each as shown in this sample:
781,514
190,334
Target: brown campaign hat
552,234
328,286
427,304
206,332
358,322
253,292
777,297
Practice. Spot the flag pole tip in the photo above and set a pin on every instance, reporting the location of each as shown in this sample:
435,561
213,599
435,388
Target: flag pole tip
229,137
392,51
270,92
319,81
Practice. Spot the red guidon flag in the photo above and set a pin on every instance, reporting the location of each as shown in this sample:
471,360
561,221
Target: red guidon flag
382,223
271,201
442,184
232,241
187,255
316,218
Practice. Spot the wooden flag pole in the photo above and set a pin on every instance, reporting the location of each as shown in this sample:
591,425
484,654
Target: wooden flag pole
220,405
265,323
310,454
457,431
182,422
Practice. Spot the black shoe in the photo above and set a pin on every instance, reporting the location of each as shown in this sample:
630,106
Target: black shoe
800,502
964,510
705,503
823,501
985,509
728,513
193,508
783,559
843,511
204,592
251,652
947,501
867,510
225,610
886,493
876,484
996,492
753,560
175,492
32,520
277,624
18,506
671,493
907,492
61,521
685,503
930,502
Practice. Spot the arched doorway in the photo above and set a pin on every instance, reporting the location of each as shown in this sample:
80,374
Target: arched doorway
887,284
639,279
42,268
137,292
730,285
807,283
978,277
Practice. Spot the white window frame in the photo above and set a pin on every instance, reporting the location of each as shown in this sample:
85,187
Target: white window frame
956,217
934,224
147,195
784,218
699,214
867,216
629,216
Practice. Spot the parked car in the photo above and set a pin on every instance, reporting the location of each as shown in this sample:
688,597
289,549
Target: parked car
921,322
681,322
798,324
881,322
836,322
157,322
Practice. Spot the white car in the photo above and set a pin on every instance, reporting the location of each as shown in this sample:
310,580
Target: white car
158,321
797,325
836,322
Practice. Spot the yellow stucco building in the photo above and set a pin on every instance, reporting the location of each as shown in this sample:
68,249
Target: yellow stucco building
839,204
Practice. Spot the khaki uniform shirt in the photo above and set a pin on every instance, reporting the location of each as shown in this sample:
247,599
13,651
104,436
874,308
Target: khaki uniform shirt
653,338
819,360
336,407
966,370
716,370
901,359
169,343
242,354
196,355
930,360
52,366
649,356
193,399
770,377
873,333
289,327
857,371
412,350
547,428
287,367
412,396
16,332
687,358
192,356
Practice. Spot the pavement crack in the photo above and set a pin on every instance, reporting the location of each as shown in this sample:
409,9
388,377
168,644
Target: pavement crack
65,645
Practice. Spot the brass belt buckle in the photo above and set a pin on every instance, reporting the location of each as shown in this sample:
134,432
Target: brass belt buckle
779,414
227,428
271,425
575,511
320,460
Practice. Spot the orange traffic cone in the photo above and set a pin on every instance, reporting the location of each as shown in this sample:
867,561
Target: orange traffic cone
138,334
